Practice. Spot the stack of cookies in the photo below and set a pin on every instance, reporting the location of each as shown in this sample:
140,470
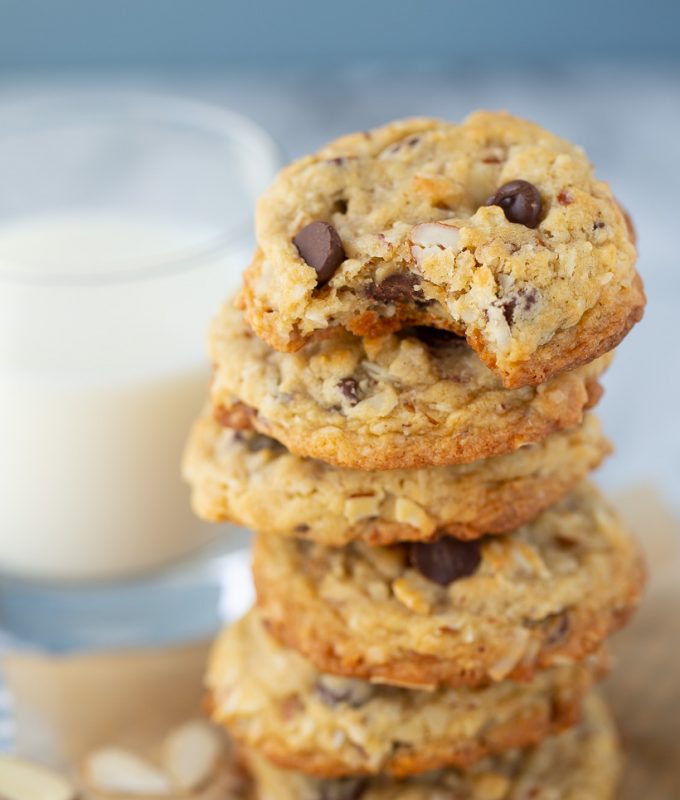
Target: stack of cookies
401,409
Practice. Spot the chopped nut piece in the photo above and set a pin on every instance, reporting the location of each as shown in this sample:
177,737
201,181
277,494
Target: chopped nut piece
504,666
407,594
428,237
360,507
411,513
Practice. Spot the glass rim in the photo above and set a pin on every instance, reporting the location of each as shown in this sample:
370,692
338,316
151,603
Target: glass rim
68,106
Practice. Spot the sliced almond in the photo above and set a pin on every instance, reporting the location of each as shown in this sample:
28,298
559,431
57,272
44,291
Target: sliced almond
428,237
192,753
23,780
115,771
512,656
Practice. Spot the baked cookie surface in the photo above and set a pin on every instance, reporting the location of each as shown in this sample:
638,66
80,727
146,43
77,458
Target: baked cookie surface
494,228
252,480
272,699
455,613
415,398
583,763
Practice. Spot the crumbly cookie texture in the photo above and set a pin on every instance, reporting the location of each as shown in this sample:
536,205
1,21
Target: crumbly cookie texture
274,700
407,204
406,400
583,763
251,479
547,594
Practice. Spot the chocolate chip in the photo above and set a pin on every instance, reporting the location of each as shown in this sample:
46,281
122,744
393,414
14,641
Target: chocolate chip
334,691
521,301
520,201
319,245
529,297
399,287
350,390
508,305
343,789
445,560
434,337
259,441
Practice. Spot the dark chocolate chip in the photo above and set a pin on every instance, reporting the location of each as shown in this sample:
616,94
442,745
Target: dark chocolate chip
434,337
302,528
319,245
334,691
259,441
520,201
508,305
397,288
445,560
342,789
350,390
528,296
521,301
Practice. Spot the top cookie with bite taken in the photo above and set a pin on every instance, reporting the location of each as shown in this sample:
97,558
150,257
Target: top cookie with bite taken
494,229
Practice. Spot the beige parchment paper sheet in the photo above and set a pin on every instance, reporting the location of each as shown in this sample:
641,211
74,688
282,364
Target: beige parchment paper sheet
65,707
644,688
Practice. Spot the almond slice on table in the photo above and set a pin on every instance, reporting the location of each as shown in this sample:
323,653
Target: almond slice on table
23,780
192,753
117,772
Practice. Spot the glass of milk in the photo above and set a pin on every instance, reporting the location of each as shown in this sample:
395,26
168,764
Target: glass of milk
124,222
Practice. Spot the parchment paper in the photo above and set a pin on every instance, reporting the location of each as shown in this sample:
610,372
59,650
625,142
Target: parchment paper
644,688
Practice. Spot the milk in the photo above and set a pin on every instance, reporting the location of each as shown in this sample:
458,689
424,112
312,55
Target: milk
102,369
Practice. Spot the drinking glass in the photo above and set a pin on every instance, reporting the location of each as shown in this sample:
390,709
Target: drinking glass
125,221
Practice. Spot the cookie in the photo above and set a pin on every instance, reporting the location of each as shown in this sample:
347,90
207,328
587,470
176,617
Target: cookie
410,399
274,700
243,476
455,613
583,763
494,229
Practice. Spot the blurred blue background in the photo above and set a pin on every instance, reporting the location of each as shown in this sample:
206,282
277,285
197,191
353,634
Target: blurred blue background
604,73
86,34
